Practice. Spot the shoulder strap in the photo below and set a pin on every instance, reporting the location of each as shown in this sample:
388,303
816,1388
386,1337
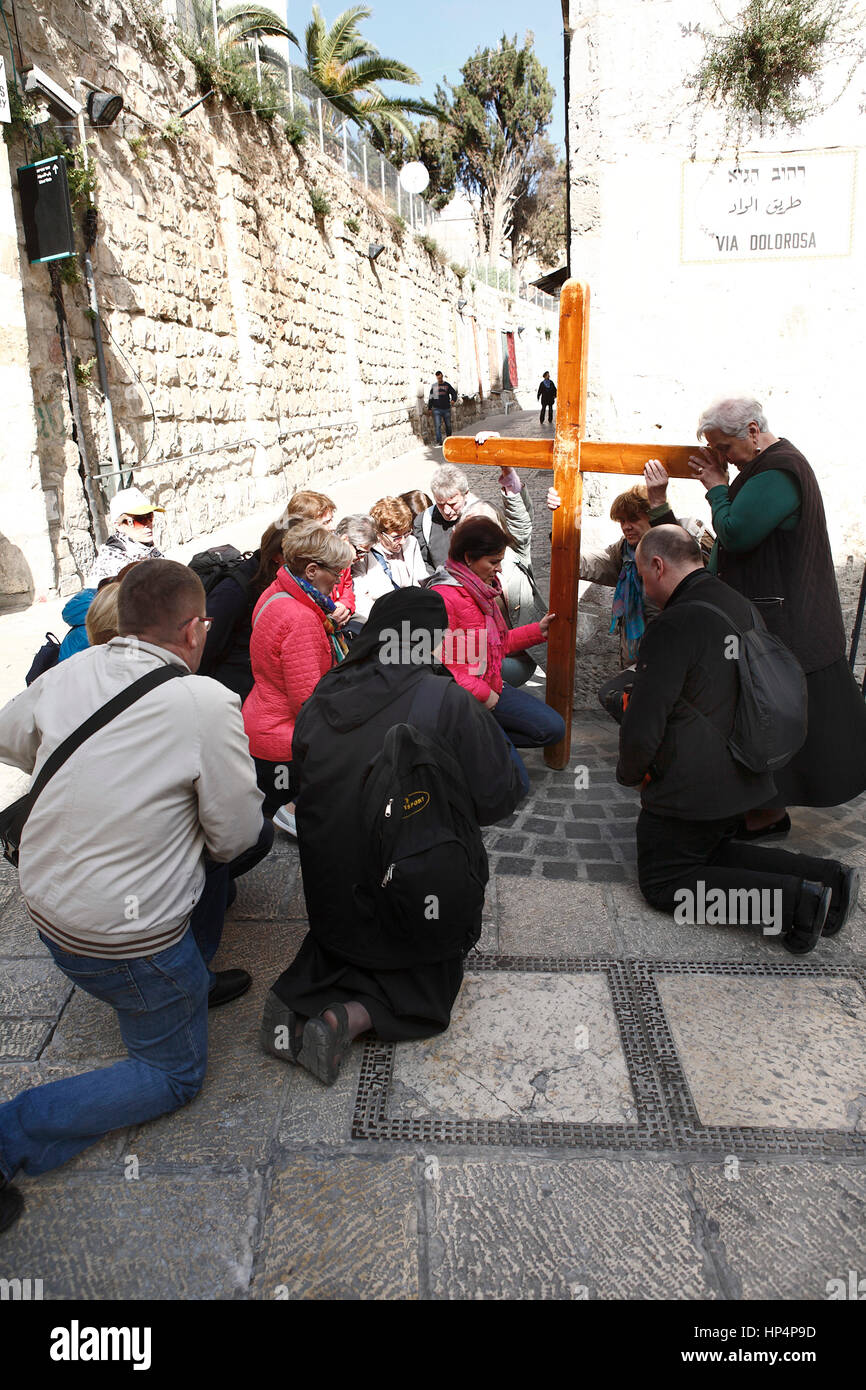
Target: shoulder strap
427,701
377,554
98,720
427,524
702,603
281,594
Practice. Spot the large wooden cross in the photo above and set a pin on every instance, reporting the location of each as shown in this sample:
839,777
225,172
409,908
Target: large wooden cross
570,456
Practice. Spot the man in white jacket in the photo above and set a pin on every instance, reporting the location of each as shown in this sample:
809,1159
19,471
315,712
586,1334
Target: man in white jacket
126,861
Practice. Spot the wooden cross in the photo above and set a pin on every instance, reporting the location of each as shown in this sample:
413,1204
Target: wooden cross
570,456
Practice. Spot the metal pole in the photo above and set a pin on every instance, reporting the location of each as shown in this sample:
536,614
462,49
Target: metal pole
382,167
216,26
345,147
258,64
364,153
321,127
291,92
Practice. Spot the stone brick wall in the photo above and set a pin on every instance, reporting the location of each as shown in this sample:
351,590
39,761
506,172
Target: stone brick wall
249,343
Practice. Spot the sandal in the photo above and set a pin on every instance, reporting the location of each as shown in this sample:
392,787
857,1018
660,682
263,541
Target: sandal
324,1049
279,1023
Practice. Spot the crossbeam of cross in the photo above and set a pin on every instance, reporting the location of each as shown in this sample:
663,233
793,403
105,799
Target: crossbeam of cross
570,455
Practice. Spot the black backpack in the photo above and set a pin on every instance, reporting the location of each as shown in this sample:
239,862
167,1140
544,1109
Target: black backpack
771,719
47,656
218,563
427,866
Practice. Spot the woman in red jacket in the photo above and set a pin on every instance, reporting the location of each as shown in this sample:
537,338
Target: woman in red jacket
294,642
480,635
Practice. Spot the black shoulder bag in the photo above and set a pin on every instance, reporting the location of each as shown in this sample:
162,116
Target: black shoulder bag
14,818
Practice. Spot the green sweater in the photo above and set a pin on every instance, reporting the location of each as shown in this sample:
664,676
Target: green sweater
771,499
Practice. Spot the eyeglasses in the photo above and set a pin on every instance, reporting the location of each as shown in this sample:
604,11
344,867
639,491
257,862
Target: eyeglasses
207,623
142,519
360,551
394,535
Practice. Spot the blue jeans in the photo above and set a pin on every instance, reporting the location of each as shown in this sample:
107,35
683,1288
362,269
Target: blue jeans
161,1005
441,417
526,723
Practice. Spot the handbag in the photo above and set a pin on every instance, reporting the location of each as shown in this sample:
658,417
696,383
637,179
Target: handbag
14,818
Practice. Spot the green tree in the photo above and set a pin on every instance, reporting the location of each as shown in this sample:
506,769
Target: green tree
429,146
347,70
539,214
495,118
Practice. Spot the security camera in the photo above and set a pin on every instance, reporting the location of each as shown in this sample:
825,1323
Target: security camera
39,83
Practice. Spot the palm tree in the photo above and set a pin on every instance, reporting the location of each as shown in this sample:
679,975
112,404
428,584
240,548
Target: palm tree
347,68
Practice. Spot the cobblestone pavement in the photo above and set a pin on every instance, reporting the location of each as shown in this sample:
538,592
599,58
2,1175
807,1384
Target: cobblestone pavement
623,1108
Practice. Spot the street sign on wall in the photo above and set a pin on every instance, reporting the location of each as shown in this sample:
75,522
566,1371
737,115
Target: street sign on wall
5,108
794,206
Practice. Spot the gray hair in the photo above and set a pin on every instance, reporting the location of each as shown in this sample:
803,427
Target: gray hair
447,480
732,417
358,529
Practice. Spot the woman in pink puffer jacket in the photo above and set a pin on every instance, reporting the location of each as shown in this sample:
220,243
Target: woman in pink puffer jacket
480,635
294,642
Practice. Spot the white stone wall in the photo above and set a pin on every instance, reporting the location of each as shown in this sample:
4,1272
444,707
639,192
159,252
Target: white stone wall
666,336
251,344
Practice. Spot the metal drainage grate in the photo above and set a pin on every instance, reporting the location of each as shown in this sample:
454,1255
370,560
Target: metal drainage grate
667,1117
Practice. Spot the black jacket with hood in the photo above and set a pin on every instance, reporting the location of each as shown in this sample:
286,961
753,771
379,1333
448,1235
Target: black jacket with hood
340,729
682,707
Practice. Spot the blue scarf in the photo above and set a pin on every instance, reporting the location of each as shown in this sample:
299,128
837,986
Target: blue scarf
628,602
339,645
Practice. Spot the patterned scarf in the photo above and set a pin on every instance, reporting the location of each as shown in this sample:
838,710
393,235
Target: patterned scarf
326,605
485,595
628,602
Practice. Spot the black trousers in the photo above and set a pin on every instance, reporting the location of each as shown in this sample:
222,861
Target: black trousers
675,854
277,783
549,409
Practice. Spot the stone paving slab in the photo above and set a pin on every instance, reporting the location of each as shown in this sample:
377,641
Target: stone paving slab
340,1227
94,1236
554,919
34,987
785,1230
786,1052
563,1229
544,1047
317,1115
18,935
23,1038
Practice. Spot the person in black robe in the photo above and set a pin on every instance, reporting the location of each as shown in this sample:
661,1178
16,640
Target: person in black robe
336,988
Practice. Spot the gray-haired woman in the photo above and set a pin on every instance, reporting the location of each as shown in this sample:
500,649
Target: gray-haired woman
773,547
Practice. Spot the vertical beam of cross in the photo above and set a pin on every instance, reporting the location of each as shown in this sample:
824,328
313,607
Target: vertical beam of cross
568,481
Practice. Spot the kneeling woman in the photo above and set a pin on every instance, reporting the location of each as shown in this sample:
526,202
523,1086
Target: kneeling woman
481,635
367,962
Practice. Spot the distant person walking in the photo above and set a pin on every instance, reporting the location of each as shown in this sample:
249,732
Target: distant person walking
546,393
442,393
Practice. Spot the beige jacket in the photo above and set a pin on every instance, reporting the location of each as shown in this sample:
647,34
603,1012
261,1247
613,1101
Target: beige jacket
111,860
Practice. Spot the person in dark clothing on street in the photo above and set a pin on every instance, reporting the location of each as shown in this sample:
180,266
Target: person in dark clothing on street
351,974
546,393
773,547
442,393
673,744
230,605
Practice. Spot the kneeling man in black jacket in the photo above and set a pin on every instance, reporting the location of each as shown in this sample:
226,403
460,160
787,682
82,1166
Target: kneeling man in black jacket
673,744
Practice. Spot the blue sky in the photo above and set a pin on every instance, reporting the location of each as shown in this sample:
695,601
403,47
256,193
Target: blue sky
436,38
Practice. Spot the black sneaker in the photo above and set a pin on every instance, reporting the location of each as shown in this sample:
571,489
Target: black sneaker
848,895
11,1204
809,919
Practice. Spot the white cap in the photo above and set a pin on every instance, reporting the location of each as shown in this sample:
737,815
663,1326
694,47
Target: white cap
130,501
